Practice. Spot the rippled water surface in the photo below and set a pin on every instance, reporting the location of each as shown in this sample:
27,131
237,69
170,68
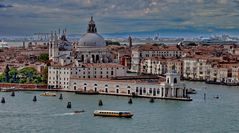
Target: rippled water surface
49,114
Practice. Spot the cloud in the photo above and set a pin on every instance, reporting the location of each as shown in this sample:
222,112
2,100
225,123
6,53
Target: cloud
5,6
120,15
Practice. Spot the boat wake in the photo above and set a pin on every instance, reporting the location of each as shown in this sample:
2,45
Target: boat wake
63,114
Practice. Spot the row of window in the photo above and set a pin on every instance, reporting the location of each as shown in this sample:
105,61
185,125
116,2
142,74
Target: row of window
53,78
147,55
151,90
107,76
140,92
60,72
96,68
107,72
53,82
161,52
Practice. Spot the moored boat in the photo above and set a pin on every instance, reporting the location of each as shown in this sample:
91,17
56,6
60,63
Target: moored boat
109,113
7,89
48,94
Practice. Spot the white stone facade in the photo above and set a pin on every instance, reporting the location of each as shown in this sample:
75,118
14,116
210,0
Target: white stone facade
138,54
195,68
159,66
173,88
59,77
201,69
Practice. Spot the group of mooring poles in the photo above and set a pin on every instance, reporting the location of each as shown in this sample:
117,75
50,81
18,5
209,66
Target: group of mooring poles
35,99
129,102
3,99
69,103
100,103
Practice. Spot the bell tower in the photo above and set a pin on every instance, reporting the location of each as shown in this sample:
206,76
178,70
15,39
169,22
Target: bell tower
173,78
130,41
50,46
55,48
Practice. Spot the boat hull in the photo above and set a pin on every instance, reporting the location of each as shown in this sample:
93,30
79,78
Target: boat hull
122,116
107,113
48,94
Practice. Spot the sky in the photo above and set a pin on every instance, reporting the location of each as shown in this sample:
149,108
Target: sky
165,17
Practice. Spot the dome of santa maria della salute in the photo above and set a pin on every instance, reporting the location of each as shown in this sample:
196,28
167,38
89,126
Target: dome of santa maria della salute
91,38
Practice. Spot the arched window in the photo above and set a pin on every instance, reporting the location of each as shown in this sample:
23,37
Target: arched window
144,91
82,58
168,80
93,58
150,90
128,91
84,88
97,58
158,91
175,80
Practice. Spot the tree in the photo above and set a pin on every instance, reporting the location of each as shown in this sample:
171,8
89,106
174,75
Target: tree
15,78
43,57
28,74
2,77
24,75
45,75
13,75
7,77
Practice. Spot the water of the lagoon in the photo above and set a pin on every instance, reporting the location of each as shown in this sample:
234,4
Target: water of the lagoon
49,115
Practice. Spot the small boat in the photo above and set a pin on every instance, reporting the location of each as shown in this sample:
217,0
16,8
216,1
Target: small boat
48,94
79,111
109,113
191,91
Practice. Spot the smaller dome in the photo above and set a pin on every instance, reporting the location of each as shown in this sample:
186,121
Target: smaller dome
92,40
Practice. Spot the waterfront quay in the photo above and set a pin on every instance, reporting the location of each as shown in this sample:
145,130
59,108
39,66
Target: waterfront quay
49,114
7,87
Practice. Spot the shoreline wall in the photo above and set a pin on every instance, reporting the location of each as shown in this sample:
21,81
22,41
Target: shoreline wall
28,86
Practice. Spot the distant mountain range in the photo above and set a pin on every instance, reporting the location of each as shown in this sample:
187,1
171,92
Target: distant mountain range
155,35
